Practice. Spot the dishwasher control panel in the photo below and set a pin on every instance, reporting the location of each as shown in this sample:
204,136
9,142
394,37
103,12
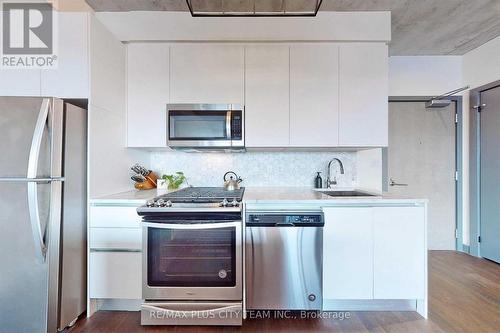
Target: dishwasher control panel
285,220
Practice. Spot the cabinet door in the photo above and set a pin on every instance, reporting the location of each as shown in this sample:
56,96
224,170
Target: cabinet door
115,275
314,95
207,73
71,77
364,88
399,252
348,253
20,82
114,217
147,94
267,95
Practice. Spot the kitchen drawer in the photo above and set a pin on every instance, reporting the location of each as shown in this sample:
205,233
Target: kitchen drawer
115,238
114,217
115,275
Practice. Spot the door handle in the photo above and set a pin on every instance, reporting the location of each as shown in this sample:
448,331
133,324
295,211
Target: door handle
36,227
393,183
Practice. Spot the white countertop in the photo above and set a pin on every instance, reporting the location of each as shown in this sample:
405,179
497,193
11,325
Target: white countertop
255,195
268,195
133,197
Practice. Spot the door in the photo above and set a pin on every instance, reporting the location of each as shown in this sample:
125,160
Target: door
207,73
348,243
267,95
195,261
490,177
314,87
283,268
148,87
363,94
421,164
30,131
399,253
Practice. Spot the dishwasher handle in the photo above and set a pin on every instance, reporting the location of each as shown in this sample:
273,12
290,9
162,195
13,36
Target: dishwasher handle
284,220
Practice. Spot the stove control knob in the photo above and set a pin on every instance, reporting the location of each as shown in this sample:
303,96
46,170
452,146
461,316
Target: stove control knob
160,203
224,203
168,203
235,203
150,203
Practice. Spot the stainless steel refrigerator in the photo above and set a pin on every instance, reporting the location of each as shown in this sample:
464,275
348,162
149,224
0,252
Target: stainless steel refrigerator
43,194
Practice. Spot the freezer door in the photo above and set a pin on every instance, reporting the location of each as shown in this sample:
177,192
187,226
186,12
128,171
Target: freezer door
18,122
24,277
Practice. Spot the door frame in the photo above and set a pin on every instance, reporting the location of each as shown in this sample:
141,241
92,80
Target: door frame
475,165
459,246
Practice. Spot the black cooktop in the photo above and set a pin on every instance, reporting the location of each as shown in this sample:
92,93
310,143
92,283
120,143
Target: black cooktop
202,195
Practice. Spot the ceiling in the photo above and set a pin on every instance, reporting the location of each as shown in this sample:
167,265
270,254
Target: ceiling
419,27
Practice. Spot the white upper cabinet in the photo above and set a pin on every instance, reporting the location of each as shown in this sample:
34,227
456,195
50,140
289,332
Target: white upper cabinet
363,120
147,94
71,77
207,73
267,95
314,86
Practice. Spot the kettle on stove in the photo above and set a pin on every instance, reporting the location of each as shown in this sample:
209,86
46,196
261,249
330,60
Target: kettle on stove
233,182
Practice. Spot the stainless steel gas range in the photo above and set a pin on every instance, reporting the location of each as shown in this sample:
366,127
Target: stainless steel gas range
192,258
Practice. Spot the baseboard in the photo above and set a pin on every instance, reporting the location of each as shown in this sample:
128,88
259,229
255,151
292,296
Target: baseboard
369,305
120,304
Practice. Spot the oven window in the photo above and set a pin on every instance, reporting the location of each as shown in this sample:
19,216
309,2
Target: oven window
192,258
198,125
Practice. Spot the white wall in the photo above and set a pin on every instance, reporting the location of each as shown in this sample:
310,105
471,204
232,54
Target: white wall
180,26
109,160
256,168
482,65
424,75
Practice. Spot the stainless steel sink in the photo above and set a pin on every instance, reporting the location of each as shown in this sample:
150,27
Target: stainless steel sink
348,193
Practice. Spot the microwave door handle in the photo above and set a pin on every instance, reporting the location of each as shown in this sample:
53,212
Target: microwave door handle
197,226
229,116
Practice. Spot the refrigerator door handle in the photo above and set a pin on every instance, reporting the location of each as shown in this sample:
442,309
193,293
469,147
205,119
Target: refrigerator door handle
36,143
36,227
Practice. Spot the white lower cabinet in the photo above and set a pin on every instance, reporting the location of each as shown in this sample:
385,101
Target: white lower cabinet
115,275
399,253
374,253
348,253
115,245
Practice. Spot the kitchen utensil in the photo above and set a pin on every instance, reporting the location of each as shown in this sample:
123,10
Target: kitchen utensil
233,183
138,178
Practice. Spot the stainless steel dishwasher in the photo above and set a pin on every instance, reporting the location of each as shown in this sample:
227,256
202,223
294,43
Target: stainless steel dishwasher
284,260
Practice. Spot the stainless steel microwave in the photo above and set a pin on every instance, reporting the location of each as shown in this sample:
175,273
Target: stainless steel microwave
205,126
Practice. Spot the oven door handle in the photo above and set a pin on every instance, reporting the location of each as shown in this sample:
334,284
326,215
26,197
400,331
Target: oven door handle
197,226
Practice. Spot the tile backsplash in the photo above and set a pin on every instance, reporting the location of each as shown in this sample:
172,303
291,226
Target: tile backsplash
256,168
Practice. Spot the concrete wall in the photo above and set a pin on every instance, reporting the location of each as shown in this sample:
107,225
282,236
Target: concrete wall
431,76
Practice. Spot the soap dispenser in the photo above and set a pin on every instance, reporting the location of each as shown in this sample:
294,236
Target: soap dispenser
318,181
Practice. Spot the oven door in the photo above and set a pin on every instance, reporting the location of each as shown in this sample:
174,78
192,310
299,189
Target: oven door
195,261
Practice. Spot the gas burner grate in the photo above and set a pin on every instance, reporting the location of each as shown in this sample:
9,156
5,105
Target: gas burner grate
203,195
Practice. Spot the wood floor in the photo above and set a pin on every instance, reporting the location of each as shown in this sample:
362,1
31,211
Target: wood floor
464,296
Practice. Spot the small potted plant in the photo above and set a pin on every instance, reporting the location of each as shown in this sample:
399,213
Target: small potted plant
174,181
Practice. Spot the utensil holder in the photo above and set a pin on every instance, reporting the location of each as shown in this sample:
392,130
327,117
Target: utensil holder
149,183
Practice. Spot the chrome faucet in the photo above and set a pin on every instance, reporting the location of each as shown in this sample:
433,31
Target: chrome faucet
329,181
